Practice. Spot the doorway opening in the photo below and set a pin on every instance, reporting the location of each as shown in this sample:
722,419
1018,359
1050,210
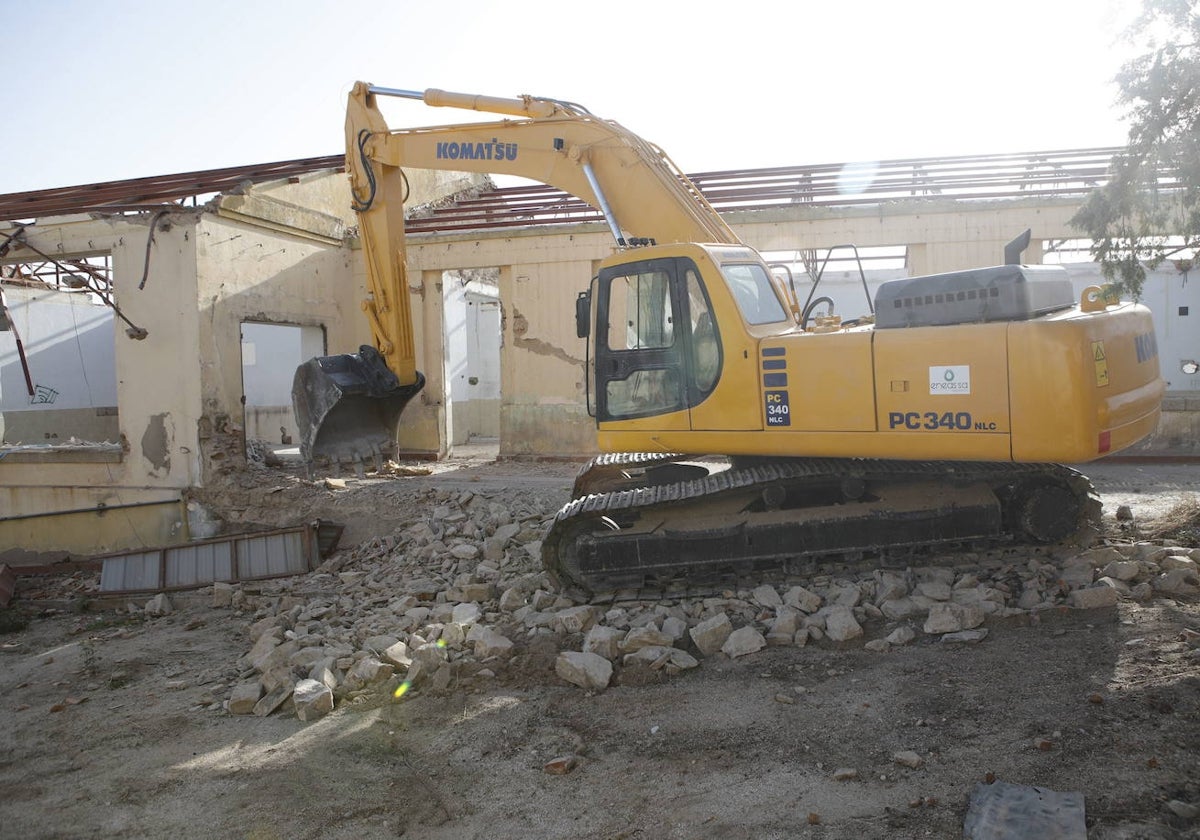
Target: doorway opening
270,355
473,337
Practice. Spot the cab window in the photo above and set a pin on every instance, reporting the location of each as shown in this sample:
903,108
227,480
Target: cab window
754,293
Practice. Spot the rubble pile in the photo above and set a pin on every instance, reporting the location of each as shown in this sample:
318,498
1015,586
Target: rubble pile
459,601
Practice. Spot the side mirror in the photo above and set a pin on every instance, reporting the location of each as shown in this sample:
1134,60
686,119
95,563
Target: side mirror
583,314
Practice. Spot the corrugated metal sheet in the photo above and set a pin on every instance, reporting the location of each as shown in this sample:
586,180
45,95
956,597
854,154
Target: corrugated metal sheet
195,565
271,556
131,571
288,551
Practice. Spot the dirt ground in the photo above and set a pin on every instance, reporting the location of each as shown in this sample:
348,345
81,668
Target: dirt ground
110,724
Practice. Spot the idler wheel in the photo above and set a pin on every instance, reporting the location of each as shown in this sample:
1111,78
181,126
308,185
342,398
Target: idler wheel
1048,513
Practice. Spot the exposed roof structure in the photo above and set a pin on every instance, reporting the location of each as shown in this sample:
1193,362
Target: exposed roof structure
1042,174
151,193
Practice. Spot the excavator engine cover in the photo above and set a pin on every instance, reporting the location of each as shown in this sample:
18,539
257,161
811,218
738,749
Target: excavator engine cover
976,295
347,406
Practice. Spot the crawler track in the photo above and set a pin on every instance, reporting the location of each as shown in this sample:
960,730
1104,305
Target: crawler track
635,530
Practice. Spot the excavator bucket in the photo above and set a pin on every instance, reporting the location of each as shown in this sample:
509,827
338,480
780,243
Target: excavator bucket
347,407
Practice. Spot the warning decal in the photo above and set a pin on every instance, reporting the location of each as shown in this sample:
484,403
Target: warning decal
1101,362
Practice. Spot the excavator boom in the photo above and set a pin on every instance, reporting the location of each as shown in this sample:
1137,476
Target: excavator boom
346,405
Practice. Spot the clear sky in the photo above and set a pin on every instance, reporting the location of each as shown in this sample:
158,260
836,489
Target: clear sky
99,90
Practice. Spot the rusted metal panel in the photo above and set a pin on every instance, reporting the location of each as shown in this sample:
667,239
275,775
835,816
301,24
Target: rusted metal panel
1047,174
144,193
264,554
1053,174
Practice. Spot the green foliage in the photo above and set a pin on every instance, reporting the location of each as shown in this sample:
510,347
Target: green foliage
1149,211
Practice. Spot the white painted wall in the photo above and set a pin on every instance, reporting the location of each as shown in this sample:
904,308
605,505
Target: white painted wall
68,342
270,355
471,314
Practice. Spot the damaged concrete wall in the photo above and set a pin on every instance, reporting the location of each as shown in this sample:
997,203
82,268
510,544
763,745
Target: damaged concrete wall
269,275
542,407
133,489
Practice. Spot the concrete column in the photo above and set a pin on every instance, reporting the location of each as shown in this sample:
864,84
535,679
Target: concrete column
423,424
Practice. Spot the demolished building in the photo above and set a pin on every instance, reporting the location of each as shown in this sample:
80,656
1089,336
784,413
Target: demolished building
155,323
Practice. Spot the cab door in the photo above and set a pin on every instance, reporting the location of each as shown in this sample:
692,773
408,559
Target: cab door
642,345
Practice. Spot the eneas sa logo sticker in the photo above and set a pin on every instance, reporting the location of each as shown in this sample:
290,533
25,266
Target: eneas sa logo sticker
950,379
495,150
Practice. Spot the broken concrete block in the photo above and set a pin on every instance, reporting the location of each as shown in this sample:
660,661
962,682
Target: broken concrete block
575,619
379,643
1125,570
1078,572
513,598
1177,582
668,659
1003,810
841,625
889,586
1092,597
244,697
367,671
397,654
324,675
951,617
674,627
312,699
802,599
274,698
640,637
262,648
466,613
604,641
767,596
159,605
489,643
710,634
783,628
900,608
222,595
586,670
742,642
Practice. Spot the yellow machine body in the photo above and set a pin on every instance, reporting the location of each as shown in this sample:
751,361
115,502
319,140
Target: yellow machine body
1069,386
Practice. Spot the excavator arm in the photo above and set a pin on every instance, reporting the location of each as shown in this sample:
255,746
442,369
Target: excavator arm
347,406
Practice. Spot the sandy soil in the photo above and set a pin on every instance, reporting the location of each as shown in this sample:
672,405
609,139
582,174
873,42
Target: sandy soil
106,731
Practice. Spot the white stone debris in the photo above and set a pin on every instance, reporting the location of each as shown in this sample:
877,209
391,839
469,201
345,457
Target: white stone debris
841,625
742,642
159,605
312,699
587,670
457,598
711,634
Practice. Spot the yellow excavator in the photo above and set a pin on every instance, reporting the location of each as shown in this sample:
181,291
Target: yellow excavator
743,436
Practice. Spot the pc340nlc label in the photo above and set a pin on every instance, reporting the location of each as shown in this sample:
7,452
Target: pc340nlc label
938,421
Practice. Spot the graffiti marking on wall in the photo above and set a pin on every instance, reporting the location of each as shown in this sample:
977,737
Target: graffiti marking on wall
42,395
